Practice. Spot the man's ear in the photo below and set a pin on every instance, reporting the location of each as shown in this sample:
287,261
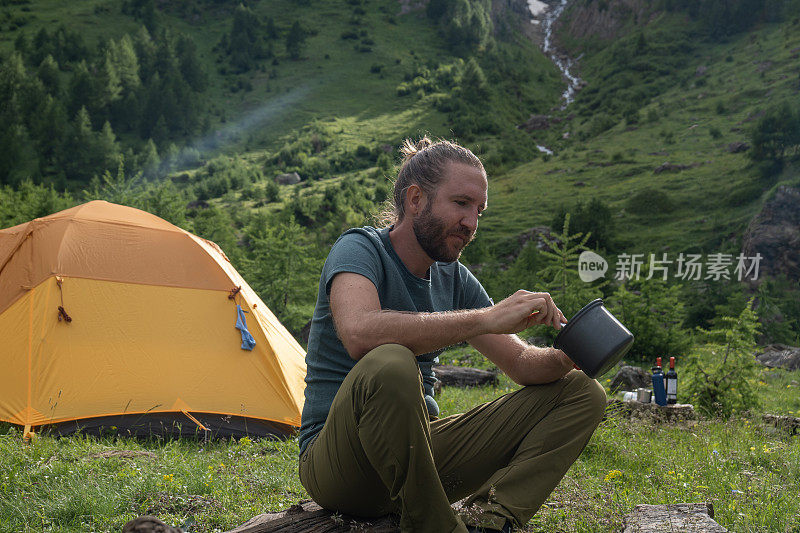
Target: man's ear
415,199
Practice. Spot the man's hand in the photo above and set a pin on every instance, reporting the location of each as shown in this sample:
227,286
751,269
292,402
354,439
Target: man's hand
522,310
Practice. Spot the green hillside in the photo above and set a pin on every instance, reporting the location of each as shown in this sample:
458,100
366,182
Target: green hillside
690,123
205,102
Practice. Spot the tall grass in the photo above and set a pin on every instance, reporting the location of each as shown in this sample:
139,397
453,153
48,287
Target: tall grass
749,471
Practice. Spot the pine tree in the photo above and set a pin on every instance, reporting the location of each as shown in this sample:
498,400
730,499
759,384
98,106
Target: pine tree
245,44
146,53
79,151
109,81
82,90
119,188
160,132
41,46
17,157
473,81
48,72
278,260
561,278
22,45
107,147
190,66
68,46
723,373
295,40
271,30
171,158
123,56
149,161
165,201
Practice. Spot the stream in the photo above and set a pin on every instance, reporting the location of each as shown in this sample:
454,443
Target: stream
545,14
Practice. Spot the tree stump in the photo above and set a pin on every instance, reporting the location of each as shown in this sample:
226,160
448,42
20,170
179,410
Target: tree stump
678,412
683,517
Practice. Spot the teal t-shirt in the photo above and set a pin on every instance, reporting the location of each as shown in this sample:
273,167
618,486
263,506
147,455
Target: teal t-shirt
368,251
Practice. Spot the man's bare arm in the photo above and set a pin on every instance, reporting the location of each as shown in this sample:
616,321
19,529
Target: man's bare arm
523,363
362,325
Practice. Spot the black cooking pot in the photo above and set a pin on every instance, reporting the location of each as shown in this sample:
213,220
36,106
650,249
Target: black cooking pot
594,339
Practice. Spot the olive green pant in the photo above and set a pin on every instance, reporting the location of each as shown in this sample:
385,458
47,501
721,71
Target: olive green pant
379,453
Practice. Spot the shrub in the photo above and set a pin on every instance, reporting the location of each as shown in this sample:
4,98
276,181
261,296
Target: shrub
600,123
650,201
776,134
561,278
595,218
723,372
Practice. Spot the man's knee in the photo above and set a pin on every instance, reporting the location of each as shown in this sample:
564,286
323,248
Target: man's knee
590,393
393,367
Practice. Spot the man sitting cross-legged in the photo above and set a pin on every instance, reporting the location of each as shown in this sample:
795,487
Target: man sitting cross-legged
389,301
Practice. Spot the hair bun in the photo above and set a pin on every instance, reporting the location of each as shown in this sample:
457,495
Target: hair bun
410,148
423,143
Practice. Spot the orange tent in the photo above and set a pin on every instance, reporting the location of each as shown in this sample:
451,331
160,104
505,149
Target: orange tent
113,317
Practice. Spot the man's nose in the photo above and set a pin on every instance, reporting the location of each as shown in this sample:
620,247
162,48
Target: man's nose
470,221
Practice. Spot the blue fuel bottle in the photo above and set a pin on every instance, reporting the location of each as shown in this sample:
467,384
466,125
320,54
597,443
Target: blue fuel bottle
659,391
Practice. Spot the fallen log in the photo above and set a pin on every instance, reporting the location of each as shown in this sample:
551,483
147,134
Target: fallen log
308,517
683,517
789,423
461,376
123,454
304,517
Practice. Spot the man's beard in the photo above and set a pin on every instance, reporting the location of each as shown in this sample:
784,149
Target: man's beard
432,236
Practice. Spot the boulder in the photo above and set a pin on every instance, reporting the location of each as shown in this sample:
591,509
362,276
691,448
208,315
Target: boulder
780,356
149,524
536,122
536,234
774,233
738,146
669,167
288,179
630,378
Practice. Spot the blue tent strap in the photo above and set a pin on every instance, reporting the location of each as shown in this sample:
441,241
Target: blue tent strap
248,342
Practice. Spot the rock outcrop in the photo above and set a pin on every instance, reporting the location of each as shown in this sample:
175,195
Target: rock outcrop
775,234
630,378
780,356
288,179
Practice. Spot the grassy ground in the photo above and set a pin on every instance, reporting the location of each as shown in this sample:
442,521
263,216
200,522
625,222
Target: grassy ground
747,470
